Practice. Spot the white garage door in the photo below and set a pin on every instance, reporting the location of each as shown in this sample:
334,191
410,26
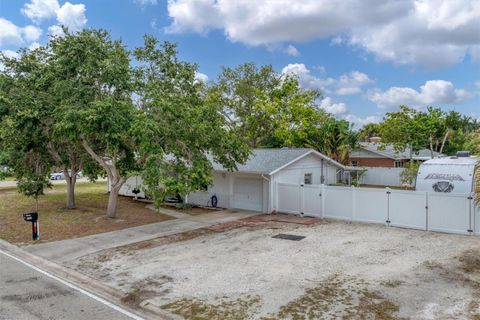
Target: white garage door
247,194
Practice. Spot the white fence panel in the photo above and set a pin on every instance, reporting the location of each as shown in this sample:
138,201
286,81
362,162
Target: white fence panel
382,176
338,203
289,198
449,213
408,209
312,200
130,185
371,205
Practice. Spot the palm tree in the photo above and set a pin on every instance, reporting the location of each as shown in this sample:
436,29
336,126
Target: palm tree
335,138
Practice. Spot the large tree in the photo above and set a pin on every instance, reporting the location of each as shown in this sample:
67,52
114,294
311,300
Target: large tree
39,82
151,119
265,108
23,109
435,129
184,131
405,129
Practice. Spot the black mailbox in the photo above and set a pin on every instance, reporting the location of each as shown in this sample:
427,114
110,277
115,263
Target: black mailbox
33,218
30,216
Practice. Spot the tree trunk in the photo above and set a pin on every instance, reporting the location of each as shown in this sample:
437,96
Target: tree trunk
431,147
112,201
70,187
116,181
444,140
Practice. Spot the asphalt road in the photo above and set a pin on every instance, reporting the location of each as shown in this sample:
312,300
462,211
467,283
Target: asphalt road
26,293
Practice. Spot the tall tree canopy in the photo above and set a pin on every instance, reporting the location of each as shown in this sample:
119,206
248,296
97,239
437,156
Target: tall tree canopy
182,129
264,107
434,129
25,106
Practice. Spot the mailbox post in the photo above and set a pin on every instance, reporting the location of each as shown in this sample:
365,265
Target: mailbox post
33,217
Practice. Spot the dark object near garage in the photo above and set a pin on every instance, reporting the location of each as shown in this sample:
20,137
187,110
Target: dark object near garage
288,237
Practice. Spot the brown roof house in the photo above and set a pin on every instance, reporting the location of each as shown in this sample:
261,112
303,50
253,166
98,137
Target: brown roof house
371,154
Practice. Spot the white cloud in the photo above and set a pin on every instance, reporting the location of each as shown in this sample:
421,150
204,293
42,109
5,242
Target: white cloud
32,33
333,108
34,45
359,121
10,34
55,31
347,84
433,92
8,54
201,77
72,16
426,32
37,10
306,79
11,54
352,83
292,51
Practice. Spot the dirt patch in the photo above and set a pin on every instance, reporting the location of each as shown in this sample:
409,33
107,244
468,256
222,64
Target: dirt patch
470,261
221,309
145,289
338,297
58,223
392,283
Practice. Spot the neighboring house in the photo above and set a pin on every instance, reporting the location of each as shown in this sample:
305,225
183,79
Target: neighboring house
371,154
252,187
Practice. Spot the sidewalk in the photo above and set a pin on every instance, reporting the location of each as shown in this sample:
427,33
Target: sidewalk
66,250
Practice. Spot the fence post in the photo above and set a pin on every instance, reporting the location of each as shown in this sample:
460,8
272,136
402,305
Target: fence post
354,202
426,211
470,218
322,196
276,196
388,207
301,195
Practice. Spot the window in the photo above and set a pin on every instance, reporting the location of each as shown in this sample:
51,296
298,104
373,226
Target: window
307,178
204,187
354,163
399,164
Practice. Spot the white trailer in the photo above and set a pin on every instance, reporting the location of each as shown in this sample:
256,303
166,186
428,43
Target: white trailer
448,174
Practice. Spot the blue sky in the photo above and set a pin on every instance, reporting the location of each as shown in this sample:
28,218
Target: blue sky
367,57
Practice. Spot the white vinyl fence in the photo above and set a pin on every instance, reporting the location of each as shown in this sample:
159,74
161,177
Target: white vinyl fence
452,213
382,176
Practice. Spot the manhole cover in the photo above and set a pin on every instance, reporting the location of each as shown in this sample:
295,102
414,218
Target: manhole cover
288,237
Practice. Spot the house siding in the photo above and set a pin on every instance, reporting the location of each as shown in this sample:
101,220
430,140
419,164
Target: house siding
374,162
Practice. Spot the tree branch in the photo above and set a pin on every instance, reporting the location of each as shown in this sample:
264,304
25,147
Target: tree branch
97,158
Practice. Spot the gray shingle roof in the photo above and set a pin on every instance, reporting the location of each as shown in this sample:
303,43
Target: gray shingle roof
267,160
389,151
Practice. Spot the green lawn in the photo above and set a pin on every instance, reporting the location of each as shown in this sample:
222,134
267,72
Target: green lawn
57,222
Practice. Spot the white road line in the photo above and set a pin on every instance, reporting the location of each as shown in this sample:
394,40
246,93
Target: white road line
68,284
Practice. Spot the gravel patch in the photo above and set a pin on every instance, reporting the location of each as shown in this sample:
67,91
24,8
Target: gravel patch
382,271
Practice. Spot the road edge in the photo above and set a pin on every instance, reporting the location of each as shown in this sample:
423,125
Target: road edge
79,282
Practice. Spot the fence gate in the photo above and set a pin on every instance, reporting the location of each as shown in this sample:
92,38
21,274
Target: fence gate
299,199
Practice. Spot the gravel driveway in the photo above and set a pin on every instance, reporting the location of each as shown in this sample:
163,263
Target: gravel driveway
339,269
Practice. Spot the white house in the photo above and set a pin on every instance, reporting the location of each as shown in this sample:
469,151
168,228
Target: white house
252,187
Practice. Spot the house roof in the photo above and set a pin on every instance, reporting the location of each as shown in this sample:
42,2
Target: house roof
269,161
389,151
